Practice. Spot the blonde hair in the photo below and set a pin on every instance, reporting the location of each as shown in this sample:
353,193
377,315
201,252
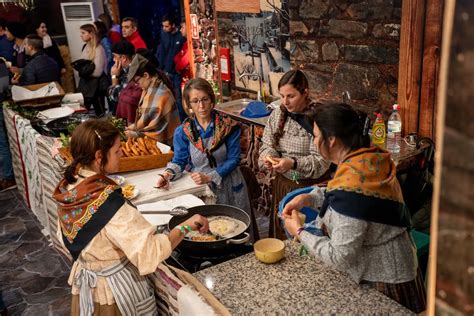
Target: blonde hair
94,39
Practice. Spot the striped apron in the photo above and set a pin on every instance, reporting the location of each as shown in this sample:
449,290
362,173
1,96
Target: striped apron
132,292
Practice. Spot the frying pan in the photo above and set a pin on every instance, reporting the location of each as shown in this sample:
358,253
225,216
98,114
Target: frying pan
208,248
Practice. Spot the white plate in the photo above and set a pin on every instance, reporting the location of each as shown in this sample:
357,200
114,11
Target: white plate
136,192
118,179
56,113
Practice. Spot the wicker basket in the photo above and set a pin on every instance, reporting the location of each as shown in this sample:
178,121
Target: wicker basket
132,163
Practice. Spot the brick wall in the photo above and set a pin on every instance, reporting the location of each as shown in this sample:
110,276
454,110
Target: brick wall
348,45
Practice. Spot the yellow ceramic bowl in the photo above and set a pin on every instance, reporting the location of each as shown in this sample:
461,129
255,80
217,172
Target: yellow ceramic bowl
269,250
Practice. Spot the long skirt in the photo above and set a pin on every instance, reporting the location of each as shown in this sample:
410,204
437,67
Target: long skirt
410,294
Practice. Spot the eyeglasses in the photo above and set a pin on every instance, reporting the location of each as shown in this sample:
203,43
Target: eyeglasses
204,101
136,79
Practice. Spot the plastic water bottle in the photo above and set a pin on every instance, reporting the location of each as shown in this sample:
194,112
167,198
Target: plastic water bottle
394,130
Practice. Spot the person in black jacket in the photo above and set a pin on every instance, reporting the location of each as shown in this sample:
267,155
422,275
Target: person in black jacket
40,67
170,44
50,46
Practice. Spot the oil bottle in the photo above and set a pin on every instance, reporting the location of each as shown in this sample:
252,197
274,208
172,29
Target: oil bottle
378,131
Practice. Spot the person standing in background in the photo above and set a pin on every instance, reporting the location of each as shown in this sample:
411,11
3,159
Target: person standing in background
7,181
50,47
115,34
171,43
6,47
181,60
130,32
89,80
16,33
105,42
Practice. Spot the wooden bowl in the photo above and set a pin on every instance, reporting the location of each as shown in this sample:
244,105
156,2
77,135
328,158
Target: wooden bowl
269,250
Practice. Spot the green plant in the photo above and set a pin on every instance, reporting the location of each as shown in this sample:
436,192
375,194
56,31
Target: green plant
120,124
65,140
26,113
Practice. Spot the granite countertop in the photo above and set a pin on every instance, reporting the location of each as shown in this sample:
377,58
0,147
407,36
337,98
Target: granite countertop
295,285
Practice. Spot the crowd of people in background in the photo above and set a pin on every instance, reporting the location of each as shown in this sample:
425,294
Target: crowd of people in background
29,55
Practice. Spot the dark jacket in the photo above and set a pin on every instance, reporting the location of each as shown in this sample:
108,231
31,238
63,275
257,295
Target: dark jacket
39,69
6,48
54,53
170,45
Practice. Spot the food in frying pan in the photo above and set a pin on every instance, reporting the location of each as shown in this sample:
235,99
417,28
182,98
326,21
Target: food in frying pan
219,227
222,226
204,238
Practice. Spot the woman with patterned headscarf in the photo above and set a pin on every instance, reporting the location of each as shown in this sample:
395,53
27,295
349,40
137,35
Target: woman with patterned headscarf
363,224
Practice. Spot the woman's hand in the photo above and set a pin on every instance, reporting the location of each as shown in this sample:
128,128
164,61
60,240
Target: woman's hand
293,222
198,222
268,162
297,203
163,181
130,133
200,178
283,164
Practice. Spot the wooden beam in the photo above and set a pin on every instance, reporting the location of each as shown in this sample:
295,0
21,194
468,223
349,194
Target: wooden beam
241,6
189,39
114,11
440,123
411,49
430,68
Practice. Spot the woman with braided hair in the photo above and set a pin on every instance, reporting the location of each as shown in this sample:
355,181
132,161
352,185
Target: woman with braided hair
113,247
287,144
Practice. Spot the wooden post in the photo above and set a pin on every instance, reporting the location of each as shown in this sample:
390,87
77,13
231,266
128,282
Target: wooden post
114,8
187,16
411,48
430,68
440,118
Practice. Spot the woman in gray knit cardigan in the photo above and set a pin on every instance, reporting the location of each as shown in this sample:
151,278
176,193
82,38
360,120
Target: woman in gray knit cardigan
363,224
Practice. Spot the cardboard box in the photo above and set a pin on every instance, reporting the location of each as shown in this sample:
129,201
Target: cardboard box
40,101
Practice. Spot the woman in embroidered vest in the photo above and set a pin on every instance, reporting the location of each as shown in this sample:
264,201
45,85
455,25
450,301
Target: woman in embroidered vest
112,245
210,145
287,144
362,227
157,116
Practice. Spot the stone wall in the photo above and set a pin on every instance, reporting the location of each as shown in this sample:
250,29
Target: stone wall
348,45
